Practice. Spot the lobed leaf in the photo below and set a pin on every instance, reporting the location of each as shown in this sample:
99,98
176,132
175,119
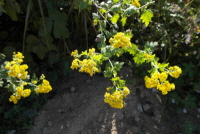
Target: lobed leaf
146,17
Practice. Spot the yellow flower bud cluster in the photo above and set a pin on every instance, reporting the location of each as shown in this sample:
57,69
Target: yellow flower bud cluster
45,87
20,92
116,99
74,53
120,40
18,71
175,71
159,80
15,69
86,65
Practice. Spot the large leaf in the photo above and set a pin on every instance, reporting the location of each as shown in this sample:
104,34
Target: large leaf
12,8
48,28
146,17
60,30
40,50
8,52
115,18
123,20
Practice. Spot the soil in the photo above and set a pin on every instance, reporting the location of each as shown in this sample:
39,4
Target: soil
79,109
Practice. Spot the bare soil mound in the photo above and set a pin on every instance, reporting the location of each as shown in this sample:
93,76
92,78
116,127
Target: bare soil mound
80,109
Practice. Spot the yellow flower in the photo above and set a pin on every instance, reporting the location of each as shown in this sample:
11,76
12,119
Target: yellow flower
175,71
91,51
163,76
136,3
26,93
42,76
34,82
126,91
75,64
45,87
108,88
150,82
87,65
74,53
13,99
120,40
115,100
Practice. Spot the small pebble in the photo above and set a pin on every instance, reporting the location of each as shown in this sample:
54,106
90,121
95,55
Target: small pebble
60,110
72,89
44,129
184,110
88,80
139,108
50,123
146,107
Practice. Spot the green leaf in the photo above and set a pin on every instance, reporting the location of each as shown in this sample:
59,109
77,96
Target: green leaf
162,66
53,57
139,58
83,5
1,83
123,20
189,69
8,52
2,56
97,57
115,18
146,17
116,8
31,39
132,50
100,38
60,30
130,11
3,74
188,128
151,46
12,8
52,47
115,1
48,26
95,16
3,35
40,50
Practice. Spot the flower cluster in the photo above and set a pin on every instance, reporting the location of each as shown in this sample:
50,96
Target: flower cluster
120,40
19,80
45,87
20,92
86,65
116,99
159,80
175,71
15,69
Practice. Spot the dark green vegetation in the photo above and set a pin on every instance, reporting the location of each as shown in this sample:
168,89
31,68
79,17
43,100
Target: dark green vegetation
46,31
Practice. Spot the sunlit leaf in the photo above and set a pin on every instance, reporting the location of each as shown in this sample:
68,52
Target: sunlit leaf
115,18
123,20
146,17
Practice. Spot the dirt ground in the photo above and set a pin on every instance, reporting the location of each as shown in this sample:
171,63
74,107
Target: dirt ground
80,109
